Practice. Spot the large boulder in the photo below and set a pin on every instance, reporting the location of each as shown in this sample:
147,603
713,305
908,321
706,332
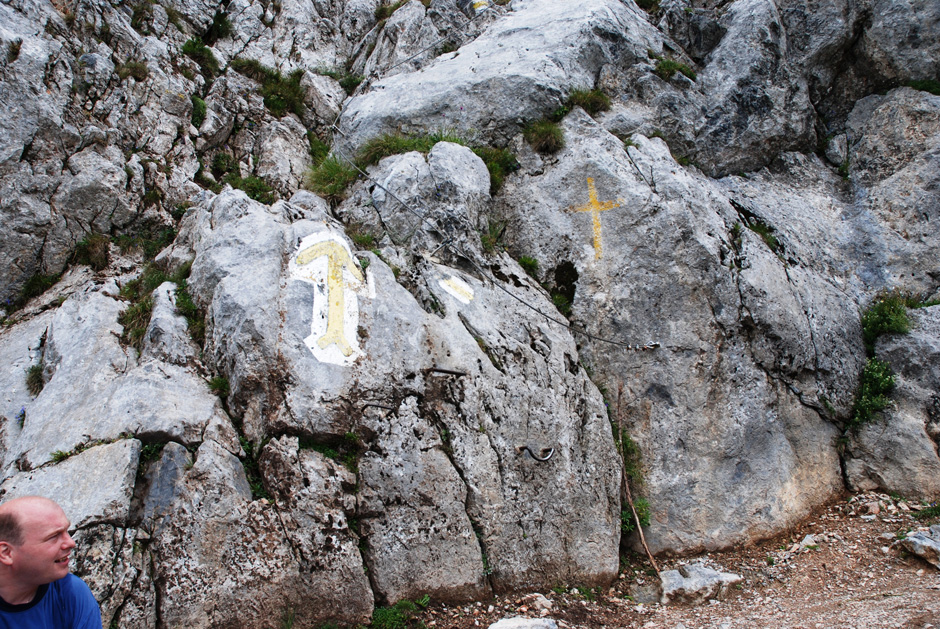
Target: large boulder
750,346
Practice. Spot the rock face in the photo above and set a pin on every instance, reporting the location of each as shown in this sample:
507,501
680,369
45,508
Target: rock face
900,453
412,385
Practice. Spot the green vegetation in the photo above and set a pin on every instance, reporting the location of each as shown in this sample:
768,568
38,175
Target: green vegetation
36,285
333,175
136,69
887,314
252,471
281,93
220,28
150,452
219,386
141,14
34,380
93,251
319,150
666,68
136,317
331,178
346,450
492,238
562,303
627,523
347,80
398,616
929,513
874,387
199,111
530,266
394,144
591,101
202,55
926,85
384,11
765,231
544,136
225,169
500,162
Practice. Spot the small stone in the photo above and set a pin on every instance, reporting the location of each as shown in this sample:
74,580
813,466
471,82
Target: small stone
873,508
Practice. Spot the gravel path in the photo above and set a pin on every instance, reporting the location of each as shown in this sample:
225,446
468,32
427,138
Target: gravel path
849,573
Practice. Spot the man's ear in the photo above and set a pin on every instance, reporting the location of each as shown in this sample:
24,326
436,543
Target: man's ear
6,553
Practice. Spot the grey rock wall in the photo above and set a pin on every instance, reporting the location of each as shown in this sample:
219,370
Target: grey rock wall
408,406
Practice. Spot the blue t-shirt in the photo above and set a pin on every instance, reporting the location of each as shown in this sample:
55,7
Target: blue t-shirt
63,604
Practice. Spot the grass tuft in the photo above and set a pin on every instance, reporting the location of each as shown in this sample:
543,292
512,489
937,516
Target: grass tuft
93,250
591,101
331,178
202,55
34,380
874,387
666,69
199,111
544,136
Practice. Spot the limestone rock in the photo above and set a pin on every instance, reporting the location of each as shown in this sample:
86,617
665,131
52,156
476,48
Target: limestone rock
92,487
695,583
222,558
925,546
660,226
89,374
898,452
525,64
167,336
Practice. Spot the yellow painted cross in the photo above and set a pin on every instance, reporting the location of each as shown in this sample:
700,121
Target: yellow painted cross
595,208
337,260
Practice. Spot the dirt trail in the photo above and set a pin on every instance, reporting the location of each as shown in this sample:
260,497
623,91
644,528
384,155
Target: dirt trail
849,574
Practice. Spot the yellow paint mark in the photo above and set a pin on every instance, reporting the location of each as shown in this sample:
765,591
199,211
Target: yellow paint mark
338,259
458,288
595,208
479,4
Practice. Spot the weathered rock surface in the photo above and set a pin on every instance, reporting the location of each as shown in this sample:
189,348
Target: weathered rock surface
901,451
695,583
406,400
925,546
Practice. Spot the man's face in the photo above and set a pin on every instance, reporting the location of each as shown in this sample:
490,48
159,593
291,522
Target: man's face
43,557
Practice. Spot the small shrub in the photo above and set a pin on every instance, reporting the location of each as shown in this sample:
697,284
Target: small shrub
150,452
34,380
544,136
255,187
666,68
591,101
385,11
331,178
93,250
199,111
223,164
493,236
530,266
875,384
220,28
350,82
60,455
887,314
135,319
562,303
141,14
136,69
13,50
627,521
926,85
281,94
765,231
395,617
929,513
318,148
500,162
202,55
36,285
219,386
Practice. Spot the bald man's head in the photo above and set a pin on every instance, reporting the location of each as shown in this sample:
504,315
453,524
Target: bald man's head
11,512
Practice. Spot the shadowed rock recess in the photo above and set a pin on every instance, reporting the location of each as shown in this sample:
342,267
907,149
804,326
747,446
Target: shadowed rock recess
260,395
